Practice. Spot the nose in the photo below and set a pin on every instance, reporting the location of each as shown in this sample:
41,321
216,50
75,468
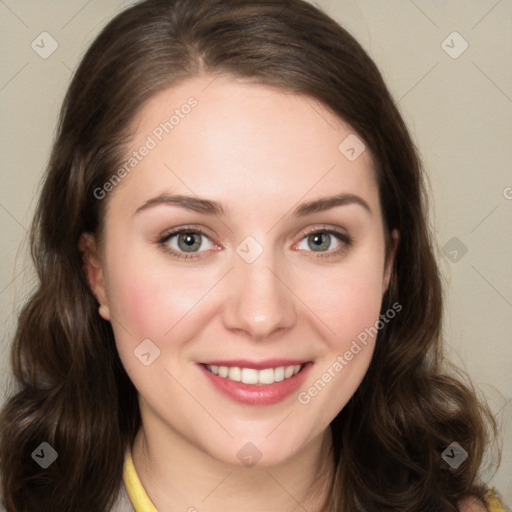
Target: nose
260,302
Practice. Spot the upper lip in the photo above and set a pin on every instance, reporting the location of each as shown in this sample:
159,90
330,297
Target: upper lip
257,365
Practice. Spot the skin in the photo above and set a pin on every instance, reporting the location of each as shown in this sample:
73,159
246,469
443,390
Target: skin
471,504
260,152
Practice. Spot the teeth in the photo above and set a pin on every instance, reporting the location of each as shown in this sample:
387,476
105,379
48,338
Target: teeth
249,376
266,376
234,373
253,376
279,374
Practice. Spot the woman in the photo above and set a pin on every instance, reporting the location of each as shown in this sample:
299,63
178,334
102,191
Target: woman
238,307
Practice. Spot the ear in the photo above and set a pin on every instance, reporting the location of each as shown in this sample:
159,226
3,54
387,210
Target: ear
389,266
94,271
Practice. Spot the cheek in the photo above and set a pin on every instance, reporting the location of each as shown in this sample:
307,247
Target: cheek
133,302
146,306
351,313
149,299
359,303
348,300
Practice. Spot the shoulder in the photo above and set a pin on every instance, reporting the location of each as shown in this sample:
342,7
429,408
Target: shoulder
472,504
492,503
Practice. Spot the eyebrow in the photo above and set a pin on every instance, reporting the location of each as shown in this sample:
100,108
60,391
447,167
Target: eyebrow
210,207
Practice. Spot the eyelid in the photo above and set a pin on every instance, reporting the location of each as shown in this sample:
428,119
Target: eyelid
324,228
183,229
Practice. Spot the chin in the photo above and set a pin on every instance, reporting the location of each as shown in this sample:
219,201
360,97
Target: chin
254,451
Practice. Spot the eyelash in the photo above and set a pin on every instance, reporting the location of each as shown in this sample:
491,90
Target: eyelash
344,238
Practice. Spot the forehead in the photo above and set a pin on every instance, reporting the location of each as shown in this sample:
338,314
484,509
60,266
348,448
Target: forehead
243,144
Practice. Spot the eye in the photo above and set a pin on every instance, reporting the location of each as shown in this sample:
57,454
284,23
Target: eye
329,241
185,242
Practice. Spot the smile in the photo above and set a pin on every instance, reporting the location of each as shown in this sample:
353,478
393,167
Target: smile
264,376
256,383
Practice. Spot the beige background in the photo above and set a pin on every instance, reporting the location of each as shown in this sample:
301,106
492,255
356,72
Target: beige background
459,111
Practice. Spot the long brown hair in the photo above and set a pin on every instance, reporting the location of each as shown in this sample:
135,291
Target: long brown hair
72,391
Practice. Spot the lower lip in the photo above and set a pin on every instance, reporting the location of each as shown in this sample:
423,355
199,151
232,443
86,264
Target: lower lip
258,394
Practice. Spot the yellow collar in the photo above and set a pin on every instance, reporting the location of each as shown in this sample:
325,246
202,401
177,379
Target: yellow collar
140,500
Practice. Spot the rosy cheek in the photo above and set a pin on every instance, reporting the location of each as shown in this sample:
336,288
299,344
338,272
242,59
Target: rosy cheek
356,307
138,308
132,300
152,301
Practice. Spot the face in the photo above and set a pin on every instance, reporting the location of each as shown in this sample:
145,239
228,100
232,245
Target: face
237,309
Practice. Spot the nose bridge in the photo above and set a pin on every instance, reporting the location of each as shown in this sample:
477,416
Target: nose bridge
260,303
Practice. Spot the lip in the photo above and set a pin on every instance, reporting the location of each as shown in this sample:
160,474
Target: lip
257,394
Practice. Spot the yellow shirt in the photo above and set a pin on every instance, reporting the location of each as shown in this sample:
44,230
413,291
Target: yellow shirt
141,502
494,504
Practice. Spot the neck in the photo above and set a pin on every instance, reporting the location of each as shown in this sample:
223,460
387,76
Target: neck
178,476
